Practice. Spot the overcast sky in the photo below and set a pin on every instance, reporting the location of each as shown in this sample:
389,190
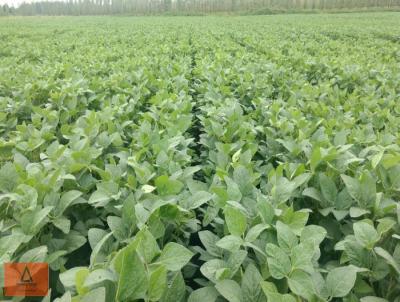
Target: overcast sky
17,2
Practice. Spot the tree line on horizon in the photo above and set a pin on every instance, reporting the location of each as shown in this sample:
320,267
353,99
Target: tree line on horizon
135,7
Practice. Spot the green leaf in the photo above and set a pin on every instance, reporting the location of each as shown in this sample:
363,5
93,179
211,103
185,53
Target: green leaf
251,287
8,178
315,158
340,281
99,198
73,241
286,238
146,245
230,243
314,234
273,295
233,189
235,220
209,240
32,221
174,256
278,261
255,231
301,284
385,225
197,199
368,189
133,280
389,259
328,188
301,256
376,159
66,200
167,186
357,212
372,299
353,187
97,249
295,220
363,190
230,290
97,294
80,278
157,283
365,234
148,188
208,293
312,193
176,290
65,298
98,276
37,254
209,268
68,277
62,224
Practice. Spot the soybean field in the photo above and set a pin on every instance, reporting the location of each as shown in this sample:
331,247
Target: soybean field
218,158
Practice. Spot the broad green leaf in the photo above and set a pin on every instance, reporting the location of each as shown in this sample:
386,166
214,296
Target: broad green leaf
286,238
365,234
133,279
197,199
8,178
302,255
80,278
98,276
357,212
146,245
64,298
278,261
66,200
255,231
174,256
175,291
68,277
385,225
63,224
301,284
272,293
328,188
157,283
97,249
99,198
230,290
209,268
230,243
97,294
314,234
208,293
372,299
389,259
295,220
235,220
167,186
31,222
340,281
37,254
209,240
251,288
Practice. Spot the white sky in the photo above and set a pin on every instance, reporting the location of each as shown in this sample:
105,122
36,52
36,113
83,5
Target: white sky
18,2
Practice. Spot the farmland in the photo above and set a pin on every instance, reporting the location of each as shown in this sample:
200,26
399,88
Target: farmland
240,159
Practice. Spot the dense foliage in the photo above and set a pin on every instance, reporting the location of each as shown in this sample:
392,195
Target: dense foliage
190,159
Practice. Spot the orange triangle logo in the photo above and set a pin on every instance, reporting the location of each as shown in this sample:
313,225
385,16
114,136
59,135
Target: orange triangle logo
26,276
